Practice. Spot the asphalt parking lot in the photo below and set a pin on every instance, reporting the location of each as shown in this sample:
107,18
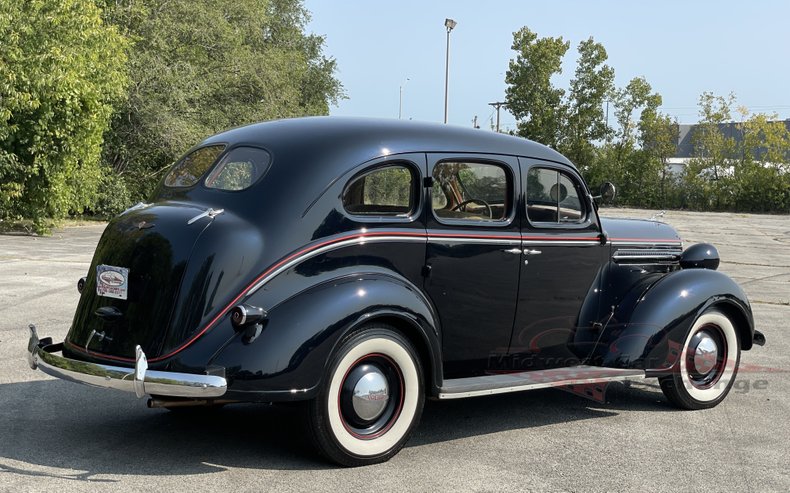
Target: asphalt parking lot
59,436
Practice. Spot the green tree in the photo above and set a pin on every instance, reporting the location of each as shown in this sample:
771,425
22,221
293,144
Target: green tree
592,83
761,179
620,159
630,103
658,137
708,176
531,97
61,69
201,66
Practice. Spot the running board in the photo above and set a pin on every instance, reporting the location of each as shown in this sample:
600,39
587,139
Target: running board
529,380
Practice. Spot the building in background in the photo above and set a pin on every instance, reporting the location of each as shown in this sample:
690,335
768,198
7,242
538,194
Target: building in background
685,148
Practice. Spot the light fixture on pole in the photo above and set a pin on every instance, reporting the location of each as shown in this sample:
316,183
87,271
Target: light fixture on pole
400,97
450,25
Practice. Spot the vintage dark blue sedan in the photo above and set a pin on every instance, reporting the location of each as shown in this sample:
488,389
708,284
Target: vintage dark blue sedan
361,266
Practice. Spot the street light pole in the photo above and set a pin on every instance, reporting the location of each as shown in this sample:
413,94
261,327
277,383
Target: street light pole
449,24
400,97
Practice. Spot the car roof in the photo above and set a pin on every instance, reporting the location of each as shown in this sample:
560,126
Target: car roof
369,138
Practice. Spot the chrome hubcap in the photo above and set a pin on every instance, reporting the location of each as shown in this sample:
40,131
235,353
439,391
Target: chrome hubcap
371,394
705,355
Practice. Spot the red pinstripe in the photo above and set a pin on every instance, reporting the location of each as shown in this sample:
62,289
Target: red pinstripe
316,246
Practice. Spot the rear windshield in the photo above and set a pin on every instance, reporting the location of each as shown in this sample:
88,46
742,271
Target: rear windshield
191,167
239,168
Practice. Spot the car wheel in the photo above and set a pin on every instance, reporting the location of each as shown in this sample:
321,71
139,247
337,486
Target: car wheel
371,398
708,363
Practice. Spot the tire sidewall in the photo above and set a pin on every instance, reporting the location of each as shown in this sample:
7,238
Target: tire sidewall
711,396
344,446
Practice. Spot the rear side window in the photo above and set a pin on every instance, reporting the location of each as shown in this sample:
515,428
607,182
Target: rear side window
240,168
389,191
553,197
191,167
471,192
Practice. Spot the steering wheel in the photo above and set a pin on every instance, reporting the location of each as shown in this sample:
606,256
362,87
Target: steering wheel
479,201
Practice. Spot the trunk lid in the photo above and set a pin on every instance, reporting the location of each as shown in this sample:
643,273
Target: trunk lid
152,245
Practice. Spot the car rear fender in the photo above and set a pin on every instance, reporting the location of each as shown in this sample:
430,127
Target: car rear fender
287,360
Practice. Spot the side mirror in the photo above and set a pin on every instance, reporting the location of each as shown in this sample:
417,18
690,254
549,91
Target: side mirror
608,192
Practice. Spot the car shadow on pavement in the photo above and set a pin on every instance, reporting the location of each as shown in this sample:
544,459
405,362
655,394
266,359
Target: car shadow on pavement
73,432
462,418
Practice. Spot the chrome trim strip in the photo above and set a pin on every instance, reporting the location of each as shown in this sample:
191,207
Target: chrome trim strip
488,241
653,256
643,258
563,243
530,380
647,242
647,255
138,380
334,246
648,251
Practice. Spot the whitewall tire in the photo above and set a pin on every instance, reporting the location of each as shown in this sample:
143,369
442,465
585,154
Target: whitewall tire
708,363
371,399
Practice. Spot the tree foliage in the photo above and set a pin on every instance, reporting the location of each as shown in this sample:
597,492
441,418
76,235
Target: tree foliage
201,66
98,97
569,121
750,173
746,173
61,69
531,96
589,89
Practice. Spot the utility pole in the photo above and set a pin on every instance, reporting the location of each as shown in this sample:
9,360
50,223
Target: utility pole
497,105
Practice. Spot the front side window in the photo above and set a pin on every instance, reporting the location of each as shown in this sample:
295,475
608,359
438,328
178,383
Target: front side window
471,192
240,168
191,167
389,191
553,197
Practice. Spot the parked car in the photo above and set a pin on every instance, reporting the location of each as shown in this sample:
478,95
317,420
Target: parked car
362,266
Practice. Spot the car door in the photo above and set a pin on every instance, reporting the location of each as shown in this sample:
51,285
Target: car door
562,257
473,256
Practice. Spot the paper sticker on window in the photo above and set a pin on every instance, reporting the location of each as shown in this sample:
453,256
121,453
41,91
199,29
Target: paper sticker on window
112,282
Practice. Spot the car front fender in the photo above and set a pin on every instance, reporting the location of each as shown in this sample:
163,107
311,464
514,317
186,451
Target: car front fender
648,328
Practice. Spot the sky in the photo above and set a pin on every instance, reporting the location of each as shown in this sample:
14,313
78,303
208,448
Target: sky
682,48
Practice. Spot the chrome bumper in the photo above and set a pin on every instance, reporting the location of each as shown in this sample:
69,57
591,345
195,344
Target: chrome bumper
41,355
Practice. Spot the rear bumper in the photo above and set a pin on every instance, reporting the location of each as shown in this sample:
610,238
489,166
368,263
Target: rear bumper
42,355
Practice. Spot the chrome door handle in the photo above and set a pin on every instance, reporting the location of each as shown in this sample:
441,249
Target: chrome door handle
532,252
514,251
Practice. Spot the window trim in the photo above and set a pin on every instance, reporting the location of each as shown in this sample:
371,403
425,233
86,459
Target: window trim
584,200
509,173
415,199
